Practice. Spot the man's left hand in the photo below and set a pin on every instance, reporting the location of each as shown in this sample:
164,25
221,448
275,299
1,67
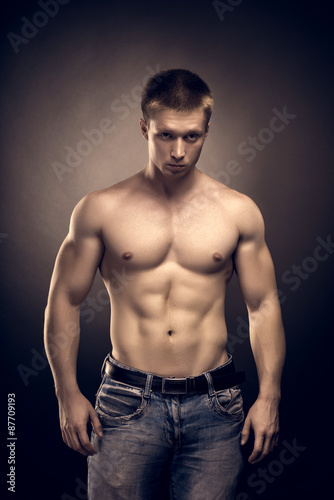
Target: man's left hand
263,419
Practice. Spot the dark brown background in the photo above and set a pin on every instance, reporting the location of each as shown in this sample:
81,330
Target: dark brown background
262,55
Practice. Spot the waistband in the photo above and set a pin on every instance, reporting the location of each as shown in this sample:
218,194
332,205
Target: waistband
222,377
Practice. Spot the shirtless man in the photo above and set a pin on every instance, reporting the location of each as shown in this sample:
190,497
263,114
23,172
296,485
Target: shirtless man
168,414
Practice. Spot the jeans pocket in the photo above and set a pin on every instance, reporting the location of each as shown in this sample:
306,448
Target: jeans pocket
117,402
228,403
101,385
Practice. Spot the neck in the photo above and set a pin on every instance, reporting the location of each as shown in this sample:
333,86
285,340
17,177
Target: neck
171,187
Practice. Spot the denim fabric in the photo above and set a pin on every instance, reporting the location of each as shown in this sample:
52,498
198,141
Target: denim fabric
157,446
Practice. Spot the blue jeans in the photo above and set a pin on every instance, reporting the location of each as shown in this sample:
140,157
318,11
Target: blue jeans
160,446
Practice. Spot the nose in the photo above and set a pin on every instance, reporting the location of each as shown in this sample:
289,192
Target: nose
178,151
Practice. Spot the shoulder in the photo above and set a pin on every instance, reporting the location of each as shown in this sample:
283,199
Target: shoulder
86,214
91,211
96,201
229,197
248,217
238,207
88,208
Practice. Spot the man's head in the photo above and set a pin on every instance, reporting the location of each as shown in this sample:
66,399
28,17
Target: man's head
177,106
177,90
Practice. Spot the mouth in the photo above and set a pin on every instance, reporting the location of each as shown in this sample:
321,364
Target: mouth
174,165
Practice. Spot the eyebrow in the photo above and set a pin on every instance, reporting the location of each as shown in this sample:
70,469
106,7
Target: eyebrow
172,132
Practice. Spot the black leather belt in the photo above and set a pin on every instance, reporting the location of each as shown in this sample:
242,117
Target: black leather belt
223,378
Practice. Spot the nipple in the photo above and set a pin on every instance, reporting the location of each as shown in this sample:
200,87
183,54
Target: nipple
217,257
127,255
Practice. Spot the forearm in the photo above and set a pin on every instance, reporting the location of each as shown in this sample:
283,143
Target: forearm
268,345
61,337
62,329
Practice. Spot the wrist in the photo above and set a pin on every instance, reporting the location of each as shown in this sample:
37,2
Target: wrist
269,389
67,392
270,397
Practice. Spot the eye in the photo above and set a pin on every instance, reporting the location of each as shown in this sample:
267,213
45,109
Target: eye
165,135
192,137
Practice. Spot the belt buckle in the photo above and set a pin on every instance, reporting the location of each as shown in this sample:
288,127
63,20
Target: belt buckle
174,386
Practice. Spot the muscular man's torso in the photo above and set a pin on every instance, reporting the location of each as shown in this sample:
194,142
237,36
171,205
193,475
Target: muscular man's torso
166,266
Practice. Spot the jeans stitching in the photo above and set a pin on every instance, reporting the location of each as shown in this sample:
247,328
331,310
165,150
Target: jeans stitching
214,405
140,411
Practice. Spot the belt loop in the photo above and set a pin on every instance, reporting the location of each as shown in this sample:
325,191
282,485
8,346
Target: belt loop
210,383
104,364
148,385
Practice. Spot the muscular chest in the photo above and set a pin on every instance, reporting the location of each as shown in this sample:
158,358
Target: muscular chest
201,239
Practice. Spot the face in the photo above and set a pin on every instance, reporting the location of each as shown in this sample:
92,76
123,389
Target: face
175,140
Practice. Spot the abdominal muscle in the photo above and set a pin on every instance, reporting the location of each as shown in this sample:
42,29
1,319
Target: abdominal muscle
171,325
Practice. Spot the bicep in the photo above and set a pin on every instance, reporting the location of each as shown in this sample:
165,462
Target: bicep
255,270
77,261
252,260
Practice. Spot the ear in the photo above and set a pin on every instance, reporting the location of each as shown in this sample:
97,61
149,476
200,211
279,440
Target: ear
143,128
207,129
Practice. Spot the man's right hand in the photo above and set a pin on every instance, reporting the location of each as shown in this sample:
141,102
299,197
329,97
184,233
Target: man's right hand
75,411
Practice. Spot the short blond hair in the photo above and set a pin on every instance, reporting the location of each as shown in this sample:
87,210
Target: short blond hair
176,89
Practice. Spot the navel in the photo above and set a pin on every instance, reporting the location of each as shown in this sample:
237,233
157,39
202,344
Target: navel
127,255
170,332
217,257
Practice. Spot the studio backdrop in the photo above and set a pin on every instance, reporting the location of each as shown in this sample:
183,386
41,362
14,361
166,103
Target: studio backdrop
71,81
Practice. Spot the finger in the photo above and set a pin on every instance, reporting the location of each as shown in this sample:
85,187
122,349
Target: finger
257,450
72,441
265,450
80,449
65,438
274,441
245,432
277,437
77,446
85,443
96,424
